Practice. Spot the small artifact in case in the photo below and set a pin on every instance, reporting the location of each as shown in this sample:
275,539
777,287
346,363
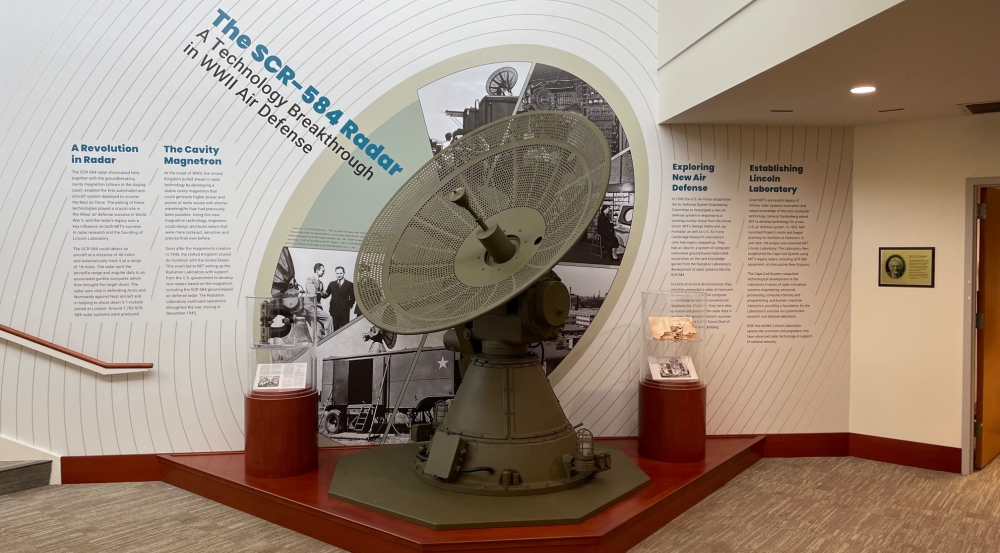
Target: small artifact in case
281,376
672,369
673,329
282,354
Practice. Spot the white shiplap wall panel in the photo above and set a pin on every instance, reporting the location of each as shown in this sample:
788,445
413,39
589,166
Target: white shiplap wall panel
753,388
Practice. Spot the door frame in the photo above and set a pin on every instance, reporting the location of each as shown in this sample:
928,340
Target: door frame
969,345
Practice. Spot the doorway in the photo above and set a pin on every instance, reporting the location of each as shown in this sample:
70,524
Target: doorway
986,325
359,381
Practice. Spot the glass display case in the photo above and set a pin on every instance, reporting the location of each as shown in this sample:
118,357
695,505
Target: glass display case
672,338
282,352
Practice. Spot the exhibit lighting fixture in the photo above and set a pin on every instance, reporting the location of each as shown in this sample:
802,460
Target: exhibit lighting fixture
863,90
440,412
585,459
584,443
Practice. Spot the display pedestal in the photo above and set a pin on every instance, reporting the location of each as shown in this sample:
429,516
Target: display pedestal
672,423
281,433
301,503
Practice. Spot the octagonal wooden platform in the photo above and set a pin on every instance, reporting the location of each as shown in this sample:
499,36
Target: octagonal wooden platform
301,503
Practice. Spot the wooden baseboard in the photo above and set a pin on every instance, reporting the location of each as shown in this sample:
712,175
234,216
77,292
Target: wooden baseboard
862,446
910,454
93,469
806,445
833,444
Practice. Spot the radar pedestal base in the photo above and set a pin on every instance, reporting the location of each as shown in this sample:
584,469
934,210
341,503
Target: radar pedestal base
505,419
382,479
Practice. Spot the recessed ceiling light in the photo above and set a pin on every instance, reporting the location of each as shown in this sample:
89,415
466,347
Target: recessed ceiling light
863,90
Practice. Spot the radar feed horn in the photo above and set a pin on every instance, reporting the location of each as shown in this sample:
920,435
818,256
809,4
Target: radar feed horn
492,237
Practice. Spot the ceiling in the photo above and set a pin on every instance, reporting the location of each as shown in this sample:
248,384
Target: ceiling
925,56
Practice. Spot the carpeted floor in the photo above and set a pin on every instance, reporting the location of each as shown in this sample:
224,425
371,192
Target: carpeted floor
777,506
142,516
840,505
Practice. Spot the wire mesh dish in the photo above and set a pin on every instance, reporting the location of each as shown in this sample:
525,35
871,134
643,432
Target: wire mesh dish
542,175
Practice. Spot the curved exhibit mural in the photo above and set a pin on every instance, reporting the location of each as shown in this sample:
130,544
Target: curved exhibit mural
362,373
177,166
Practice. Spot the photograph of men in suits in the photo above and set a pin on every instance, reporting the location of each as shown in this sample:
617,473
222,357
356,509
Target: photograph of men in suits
314,289
341,293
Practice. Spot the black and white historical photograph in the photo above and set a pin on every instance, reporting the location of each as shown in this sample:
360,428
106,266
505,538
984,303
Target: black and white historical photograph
362,371
327,276
672,369
268,381
588,287
359,393
607,236
363,368
551,88
466,100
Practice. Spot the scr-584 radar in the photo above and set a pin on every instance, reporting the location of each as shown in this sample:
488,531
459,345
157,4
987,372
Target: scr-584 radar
467,245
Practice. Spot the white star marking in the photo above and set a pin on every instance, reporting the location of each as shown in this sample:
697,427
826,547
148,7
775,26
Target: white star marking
442,363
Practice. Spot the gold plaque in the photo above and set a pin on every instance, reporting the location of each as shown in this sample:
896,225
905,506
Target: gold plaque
906,267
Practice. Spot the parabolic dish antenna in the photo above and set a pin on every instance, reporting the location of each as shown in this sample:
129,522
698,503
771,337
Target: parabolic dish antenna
539,176
501,82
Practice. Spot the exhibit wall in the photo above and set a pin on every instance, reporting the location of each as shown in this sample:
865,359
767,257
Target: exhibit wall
759,218
151,179
161,162
907,360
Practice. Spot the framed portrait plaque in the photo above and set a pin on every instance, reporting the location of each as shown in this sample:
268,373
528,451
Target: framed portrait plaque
913,267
